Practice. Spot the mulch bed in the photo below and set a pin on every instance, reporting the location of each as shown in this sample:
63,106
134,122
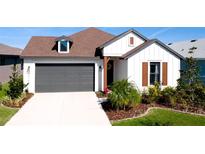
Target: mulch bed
127,113
140,109
100,94
20,103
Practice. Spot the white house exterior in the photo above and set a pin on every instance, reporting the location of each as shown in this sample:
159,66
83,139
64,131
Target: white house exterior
90,63
153,53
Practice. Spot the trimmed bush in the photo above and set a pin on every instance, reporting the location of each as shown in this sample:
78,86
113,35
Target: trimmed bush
123,95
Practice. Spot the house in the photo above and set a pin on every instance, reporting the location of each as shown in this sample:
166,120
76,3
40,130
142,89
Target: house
183,48
9,56
92,59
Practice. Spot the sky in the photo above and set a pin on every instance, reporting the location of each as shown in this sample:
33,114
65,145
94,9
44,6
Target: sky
19,36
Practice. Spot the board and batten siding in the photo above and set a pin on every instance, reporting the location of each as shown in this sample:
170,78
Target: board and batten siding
121,46
153,53
30,68
120,69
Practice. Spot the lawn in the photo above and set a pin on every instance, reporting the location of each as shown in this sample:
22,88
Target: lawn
3,90
163,117
5,114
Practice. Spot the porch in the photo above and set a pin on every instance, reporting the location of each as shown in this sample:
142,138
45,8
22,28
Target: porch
114,69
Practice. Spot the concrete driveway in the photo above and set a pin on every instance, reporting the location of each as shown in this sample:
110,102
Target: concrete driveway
73,108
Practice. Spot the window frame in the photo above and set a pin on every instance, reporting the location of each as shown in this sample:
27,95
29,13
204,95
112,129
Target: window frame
61,44
160,71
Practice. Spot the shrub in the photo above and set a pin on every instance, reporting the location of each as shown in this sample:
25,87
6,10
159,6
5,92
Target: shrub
16,85
152,95
6,100
123,94
198,96
182,99
168,96
1,86
145,98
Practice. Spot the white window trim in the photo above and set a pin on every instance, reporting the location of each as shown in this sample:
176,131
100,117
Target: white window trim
59,47
149,71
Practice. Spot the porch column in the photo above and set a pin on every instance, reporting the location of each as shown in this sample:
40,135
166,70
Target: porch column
105,71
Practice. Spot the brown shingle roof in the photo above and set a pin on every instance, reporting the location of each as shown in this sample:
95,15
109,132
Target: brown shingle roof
84,44
8,50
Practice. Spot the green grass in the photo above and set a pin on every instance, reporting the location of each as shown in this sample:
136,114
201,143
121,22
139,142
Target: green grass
4,89
5,114
163,117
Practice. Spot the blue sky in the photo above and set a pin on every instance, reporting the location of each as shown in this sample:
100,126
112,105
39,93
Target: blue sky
19,37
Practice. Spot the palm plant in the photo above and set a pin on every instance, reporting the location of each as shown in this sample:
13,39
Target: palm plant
123,95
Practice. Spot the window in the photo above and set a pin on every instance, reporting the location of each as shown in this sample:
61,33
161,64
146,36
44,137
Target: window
131,41
154,72
63,45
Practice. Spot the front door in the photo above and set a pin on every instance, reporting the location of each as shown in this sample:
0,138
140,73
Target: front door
110,68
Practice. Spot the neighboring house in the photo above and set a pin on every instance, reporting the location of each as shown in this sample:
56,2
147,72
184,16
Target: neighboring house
199,52
9,56
92,59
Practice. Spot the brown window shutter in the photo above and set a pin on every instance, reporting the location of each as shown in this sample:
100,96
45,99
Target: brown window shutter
164,73
145,74
131,40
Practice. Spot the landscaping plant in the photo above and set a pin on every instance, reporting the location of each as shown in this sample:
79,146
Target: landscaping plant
1,86
168,96
123,95
152,95
16,85
190,89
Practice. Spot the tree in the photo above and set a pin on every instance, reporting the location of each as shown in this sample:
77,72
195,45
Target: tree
190,87
16,85
190,75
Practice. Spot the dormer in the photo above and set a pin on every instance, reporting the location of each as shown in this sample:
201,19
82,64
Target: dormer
63,44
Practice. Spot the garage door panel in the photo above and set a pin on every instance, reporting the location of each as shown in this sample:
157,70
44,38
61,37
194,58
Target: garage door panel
64,77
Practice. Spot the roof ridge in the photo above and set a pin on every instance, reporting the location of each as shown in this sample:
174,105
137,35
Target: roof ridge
89,28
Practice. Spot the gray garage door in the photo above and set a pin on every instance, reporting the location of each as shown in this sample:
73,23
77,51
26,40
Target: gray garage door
64,77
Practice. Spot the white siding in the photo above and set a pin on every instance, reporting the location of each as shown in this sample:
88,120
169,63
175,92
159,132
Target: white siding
153,53
122,46
29,76
120,69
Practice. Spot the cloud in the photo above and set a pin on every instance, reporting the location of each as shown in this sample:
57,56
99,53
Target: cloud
161,31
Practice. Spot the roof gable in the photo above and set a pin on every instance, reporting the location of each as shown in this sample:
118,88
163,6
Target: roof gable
147,44
122,35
